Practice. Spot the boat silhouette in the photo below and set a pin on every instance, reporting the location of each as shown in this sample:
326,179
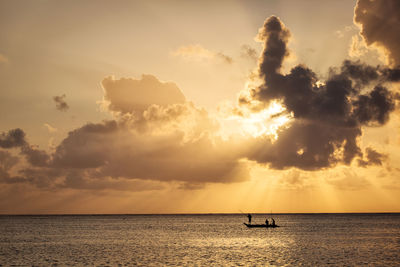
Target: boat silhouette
260,225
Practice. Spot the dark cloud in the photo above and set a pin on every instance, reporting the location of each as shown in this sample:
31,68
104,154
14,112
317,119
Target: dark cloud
393,74
380,21
362,74
374,107
13,138
307,145
129,95
373,158
35,156
327,117
61,104
275,35
16,138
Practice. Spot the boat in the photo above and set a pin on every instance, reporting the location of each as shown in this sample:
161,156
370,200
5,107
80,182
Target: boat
260,225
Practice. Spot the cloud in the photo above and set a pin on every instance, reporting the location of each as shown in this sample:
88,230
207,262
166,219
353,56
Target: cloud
34,156
44,178
129,95
341,33
249,52
224,58
375,106
295,180
83,147
357,47
7,161
350,182
61,104
199,53
193,52
327,116
5,178
186,118
13,138
275,37
35,159
373,158
76,180
16,138
308,146
380,24
155,137
114,149
50,128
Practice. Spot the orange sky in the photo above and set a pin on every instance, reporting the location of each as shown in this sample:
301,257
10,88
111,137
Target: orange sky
182,107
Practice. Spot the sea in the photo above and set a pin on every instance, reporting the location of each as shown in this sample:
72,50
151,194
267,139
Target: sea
200,240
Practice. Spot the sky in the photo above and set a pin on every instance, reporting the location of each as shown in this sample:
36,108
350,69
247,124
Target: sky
199,106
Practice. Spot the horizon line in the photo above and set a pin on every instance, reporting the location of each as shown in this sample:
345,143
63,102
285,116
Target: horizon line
205,213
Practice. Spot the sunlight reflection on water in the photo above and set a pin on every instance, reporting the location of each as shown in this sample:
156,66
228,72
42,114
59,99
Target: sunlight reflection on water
241,242
311,240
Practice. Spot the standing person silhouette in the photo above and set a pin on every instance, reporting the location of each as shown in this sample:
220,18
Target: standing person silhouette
249,216
266,222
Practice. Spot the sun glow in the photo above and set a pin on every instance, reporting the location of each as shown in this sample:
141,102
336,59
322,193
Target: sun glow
266,121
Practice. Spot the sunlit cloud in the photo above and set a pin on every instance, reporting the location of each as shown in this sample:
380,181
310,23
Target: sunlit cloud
342,32
264,122
359,49
380,22
130,95
50,128
199,53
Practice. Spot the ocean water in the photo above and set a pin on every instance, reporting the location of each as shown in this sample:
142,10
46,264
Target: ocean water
200,240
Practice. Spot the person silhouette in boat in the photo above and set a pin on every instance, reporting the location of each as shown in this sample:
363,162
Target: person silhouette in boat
266,222
273,222
249,216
